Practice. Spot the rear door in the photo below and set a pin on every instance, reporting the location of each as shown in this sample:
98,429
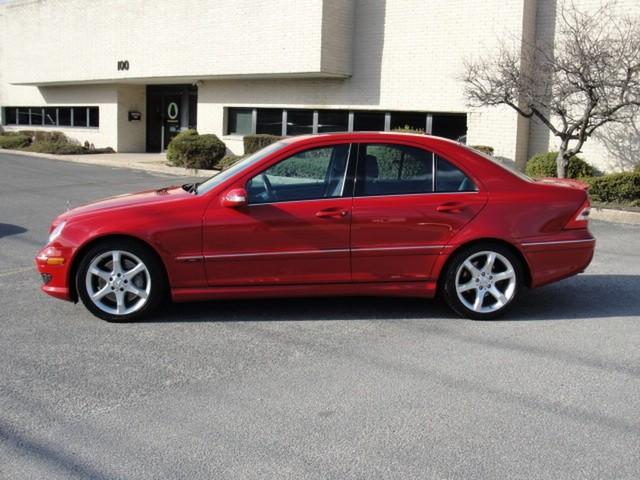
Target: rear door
408,203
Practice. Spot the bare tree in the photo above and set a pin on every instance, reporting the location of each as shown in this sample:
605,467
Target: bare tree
590,77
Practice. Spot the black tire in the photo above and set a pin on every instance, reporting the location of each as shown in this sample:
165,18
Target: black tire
448,284
156,280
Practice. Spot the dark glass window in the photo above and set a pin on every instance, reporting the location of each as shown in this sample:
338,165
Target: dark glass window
269,121
386,169
23,116
50,116
64,116
333,121
312,174
408,120
94,117
10,117
451,126
36,115
450,178
80,116
299,122
240,121
368,121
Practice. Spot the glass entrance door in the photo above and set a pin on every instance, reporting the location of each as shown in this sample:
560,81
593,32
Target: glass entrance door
170,109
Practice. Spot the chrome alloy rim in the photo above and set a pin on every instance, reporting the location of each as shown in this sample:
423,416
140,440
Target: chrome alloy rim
118,282
485,282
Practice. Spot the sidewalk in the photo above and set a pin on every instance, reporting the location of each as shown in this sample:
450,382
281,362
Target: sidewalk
149,162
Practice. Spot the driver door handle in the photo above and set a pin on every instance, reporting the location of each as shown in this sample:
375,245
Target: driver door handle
332,212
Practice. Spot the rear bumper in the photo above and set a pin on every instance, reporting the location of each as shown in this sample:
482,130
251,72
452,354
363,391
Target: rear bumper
53,264
552,260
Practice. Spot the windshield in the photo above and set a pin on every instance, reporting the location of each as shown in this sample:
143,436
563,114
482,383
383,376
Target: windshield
218,178
509,167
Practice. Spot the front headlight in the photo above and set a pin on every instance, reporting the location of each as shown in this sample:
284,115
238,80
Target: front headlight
56,231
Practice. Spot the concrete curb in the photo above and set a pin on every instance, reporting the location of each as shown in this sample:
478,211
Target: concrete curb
616,216
105,162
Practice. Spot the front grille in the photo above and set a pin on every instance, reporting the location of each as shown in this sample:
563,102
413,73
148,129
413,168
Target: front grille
46,277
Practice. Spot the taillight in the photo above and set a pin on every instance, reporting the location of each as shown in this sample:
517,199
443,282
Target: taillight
581,218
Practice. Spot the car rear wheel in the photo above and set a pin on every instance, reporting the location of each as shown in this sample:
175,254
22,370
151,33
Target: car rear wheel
482,281
120,281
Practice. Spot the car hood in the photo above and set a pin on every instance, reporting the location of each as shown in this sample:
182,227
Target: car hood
129,200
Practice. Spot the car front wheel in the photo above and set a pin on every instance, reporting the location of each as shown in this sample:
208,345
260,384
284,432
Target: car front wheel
483,281
120,281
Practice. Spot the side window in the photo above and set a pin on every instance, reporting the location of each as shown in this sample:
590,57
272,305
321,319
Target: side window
386,169
311,174
450,178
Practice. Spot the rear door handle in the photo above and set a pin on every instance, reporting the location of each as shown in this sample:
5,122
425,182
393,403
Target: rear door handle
450,207
332,212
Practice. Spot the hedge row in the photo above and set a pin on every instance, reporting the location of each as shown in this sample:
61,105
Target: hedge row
47,142
619,188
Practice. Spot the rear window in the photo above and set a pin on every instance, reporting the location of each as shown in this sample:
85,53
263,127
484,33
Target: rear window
503,165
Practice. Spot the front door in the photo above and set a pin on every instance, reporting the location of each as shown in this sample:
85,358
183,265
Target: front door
408,203
295,229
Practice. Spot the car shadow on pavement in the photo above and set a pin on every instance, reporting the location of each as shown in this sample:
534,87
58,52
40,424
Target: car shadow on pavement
8,229
581,297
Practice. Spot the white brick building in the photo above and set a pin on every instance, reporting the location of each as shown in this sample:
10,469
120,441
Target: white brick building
232,67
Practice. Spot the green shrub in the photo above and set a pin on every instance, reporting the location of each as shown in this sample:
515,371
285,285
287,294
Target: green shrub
188,149
637,168
228,160
483,148
253,143
621,188
544,165
58,148
14,141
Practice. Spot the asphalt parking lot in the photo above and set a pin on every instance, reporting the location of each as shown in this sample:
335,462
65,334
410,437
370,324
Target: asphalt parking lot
327,388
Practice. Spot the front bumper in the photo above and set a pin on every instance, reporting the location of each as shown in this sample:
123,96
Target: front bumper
53,263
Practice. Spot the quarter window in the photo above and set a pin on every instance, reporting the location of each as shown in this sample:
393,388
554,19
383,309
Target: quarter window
312,174
450,178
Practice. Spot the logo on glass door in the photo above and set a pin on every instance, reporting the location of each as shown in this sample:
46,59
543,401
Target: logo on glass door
172,111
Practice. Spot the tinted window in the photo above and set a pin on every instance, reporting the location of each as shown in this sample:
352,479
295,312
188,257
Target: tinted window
408,120
451,179
333,121
94,117
312,174
50,116
385,169
10,115
368,121
299,122
80,117
451,126
240,121
269,121
64,116
23,116
36,116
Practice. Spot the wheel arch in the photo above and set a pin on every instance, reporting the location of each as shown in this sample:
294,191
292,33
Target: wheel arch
515,250
79,254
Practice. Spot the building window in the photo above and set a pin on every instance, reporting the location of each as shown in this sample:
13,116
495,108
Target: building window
333,121
451,126
368,121
240,121
299,122
408,120
64,117
269,121
53,116
23,116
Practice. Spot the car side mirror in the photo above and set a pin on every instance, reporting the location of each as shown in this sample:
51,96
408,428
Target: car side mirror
234,198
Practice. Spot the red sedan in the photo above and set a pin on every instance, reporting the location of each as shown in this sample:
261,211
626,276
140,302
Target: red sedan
335,214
